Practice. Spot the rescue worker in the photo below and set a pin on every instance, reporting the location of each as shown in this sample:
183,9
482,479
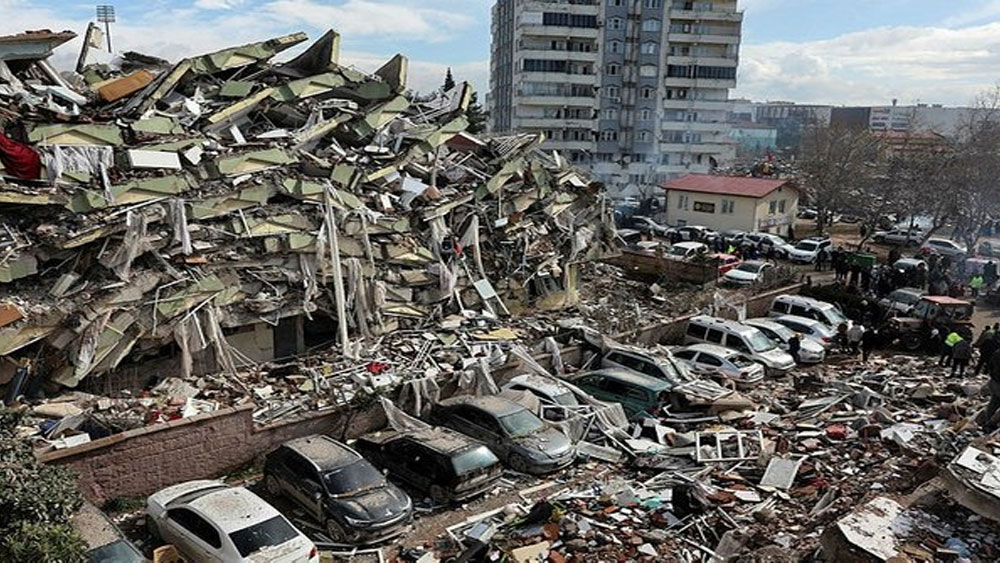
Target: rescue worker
854,336
868,341
794,345
976,284
987,344
949,345
960,354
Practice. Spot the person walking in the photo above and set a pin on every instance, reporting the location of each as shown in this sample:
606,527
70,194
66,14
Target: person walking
794,346
821,257
854,336
976,284
868,341
961,352
987,345
949,345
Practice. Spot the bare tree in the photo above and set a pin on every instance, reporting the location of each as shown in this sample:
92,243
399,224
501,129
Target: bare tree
837,165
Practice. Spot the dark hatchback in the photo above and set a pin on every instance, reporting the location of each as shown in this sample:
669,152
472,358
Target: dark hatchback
446,465
338,488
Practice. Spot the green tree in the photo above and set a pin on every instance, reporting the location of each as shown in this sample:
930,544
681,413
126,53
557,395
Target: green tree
449,80
476,115
36,502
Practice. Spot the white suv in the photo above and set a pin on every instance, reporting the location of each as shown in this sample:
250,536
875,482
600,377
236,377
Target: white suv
807,250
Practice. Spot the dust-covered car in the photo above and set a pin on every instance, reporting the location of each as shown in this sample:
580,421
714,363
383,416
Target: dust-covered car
446,465
525,442
209,521
338,488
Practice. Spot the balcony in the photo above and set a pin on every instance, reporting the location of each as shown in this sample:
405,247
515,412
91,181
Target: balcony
696,126
548,54
694,104
705,15
680,37
553,123
561,32
553,101
697,148
568,145
699,82
558,77
703,60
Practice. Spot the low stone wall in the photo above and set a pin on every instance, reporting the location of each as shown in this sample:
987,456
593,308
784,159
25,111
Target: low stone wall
142,461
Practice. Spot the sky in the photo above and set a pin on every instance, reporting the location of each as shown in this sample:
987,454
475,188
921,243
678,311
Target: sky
841,52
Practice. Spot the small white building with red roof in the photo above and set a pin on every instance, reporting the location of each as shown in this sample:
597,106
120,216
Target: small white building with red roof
726,203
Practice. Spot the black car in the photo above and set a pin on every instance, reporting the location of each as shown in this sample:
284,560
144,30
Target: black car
523,441
448,466
339,488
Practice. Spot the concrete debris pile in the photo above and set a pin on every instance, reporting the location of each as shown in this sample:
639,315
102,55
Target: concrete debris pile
789,479
226,210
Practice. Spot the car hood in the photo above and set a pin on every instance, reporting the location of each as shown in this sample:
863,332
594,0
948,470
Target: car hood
374,505
549,443
811,345
778,357
741,275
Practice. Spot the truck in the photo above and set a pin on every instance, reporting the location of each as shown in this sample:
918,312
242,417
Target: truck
946,314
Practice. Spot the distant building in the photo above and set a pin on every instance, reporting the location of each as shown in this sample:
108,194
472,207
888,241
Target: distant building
947,121
732,203
636,91
753,139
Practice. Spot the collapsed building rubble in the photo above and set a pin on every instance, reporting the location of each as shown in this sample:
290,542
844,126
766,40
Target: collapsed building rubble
226,210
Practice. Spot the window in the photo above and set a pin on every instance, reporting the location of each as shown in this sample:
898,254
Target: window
685,354
643,136
716,72
772,207
609,135
736,343
615,24
665,159
651,25
611,92
544,65
651,3
677,93
704,207
682,202
272,532
615,2
727,206
614,46
715,336
645,115
610,113
612,69
648,71
648,93
696,330
569,20
649,48
196,525
781,206
709,360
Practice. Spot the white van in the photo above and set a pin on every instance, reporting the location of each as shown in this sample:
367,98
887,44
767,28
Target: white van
809,308
739,337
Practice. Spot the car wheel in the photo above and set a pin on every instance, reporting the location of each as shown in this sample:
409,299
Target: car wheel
518,463
272,486
335,531
912,342
439,494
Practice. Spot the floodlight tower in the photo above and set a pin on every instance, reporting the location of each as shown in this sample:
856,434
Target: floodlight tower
106,15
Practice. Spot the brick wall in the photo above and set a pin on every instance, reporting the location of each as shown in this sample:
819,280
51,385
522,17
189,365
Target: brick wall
142,461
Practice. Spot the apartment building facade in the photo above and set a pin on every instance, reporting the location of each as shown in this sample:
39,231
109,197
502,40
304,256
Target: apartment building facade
636,91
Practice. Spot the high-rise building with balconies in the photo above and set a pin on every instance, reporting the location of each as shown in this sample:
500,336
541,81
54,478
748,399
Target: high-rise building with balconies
635,90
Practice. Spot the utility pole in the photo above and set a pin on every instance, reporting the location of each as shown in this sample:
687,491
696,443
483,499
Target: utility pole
106,15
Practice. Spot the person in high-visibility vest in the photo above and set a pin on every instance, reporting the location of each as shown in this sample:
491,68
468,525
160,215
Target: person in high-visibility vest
976,283
949,346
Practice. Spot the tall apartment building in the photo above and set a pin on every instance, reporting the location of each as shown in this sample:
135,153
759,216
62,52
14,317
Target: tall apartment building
635,90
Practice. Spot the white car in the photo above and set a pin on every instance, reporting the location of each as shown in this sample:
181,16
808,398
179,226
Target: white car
748,273
807,250
686,250
902,300
721,363
898,237
209,521
810,351
907,264
554,396
763,240
693,233
809,328
945,247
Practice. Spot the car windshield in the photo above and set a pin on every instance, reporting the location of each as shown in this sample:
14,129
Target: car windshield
834,317
521,423
268,533
806,245
759,343
748,267
904,297
473,460
566,399
782,331
353,478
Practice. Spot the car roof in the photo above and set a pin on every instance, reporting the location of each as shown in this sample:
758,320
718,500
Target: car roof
233,508
756,263
804,299
801,320
324,451
689,244
766,322
544,385
631,377
945,300
496,406
735,326
720,351
438,438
